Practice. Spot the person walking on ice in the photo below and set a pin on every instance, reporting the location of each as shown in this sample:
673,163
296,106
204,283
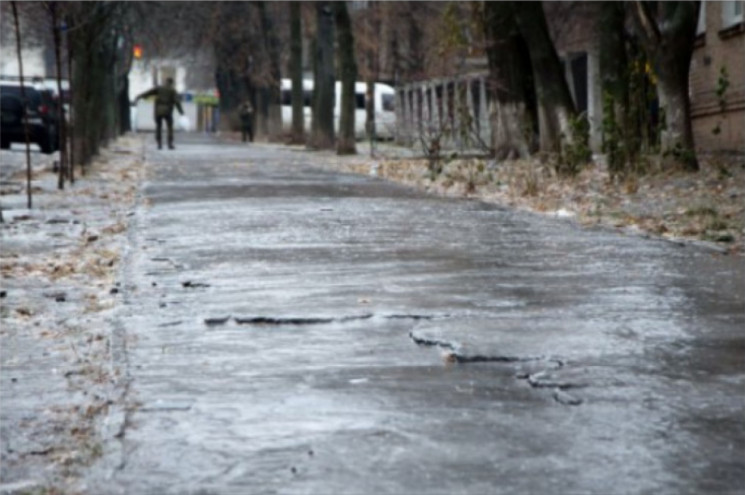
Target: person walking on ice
166,98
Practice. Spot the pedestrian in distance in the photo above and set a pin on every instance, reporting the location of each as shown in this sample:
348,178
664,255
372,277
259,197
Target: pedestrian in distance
246,113
166,98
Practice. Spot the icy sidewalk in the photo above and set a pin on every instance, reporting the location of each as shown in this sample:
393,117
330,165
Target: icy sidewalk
59,263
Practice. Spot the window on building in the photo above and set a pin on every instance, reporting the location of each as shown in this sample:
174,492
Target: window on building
731,13
701,27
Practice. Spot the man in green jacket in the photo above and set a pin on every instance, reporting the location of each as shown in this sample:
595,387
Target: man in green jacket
166,98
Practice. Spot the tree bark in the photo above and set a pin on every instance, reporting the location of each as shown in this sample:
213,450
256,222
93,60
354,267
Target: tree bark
296,73
322,135
372,72
231,90
29,200
62,136
555,107
94,99
273,93
71,116
668,36
614,77
508,79
235,66
345,144
125,120
416,57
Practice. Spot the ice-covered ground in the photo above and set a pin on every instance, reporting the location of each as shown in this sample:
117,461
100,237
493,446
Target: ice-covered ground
58,263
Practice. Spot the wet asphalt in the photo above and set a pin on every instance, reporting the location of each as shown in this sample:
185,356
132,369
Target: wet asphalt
287,329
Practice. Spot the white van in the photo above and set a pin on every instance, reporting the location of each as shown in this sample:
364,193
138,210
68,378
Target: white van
384,101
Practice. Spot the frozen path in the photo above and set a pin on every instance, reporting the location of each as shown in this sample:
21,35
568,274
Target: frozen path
291,330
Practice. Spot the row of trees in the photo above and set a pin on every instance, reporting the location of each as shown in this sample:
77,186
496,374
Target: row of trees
421,40
658,36
91,47
255,43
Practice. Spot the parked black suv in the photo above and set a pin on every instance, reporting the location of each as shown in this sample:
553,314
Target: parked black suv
42,110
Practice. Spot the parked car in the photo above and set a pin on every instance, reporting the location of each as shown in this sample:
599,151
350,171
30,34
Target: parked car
42,110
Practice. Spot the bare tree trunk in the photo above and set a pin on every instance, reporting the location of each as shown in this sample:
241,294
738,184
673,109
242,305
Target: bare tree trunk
62,138
348,70
71,116
416,57
668,36
296,73
372,73
228,84
25,104
262,113
508,82
125,120
322,135
88,88
554,102
273,94
617,131
233,66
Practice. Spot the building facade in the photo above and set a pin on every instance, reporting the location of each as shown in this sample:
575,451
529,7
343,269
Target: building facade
717,78
717,82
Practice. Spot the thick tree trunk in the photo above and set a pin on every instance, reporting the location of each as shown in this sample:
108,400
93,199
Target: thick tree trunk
125,122
677,135
230,88
668,36
296,73
372,75
614,75
322,135
91,99
508,80
80,83
262,111
673,63
555,107
416,57
94,97
110,93
613,64
348,71
273,93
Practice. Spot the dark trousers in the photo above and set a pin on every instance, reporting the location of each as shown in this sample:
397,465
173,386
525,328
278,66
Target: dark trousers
247,131
159,126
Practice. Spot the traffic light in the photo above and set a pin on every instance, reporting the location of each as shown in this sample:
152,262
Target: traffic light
137,51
